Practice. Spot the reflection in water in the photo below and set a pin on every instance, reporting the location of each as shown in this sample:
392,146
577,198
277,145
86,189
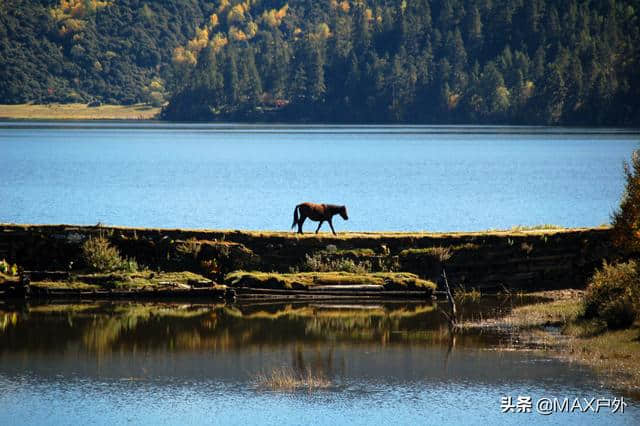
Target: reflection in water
109,327
106,360
115,326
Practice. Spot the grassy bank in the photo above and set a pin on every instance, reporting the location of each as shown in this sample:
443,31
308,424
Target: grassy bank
78,112
558,328
228,234
518,260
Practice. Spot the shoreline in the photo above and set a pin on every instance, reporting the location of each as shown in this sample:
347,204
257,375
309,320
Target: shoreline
555,328
63,112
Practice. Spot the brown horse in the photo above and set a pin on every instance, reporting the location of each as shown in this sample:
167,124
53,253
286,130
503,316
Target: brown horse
317,212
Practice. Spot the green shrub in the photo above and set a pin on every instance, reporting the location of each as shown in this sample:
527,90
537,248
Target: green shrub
317,263
7,268
618,313
613,295
101,256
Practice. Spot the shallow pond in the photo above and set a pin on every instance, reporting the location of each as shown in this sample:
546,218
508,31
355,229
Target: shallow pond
191,363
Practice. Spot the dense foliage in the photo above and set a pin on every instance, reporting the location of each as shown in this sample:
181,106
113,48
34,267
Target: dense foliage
613,295
116,51
423,61
626,219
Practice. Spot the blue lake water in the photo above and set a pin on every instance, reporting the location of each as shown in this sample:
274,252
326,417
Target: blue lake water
397,178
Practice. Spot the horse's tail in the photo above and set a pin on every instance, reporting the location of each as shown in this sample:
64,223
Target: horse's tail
295,216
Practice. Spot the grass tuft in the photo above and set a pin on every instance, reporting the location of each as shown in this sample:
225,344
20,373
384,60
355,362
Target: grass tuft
285,379
439,253
318,263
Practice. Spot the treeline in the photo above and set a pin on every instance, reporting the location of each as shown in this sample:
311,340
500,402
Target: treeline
421,61
388,61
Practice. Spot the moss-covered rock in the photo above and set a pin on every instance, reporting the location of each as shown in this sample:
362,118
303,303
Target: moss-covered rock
308,280
126,281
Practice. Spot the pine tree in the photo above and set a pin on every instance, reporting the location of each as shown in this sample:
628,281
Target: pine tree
298,87
251,83
231,80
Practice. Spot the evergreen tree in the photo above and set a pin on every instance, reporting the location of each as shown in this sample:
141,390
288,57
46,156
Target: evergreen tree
231,80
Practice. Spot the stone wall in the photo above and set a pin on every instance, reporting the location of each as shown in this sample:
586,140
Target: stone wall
531,260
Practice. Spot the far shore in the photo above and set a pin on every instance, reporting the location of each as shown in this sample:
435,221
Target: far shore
78,111
145,112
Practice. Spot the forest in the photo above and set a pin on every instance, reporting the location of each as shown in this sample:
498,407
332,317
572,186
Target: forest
550,62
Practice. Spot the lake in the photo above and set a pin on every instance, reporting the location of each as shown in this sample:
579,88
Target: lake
395,178
193,363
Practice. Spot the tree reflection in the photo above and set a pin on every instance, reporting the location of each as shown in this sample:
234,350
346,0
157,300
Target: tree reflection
107,327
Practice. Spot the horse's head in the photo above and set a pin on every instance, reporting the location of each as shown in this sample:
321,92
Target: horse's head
343,213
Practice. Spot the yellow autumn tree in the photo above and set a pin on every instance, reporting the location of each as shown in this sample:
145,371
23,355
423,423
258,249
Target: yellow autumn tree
183,56
252,29
273,17
236,14
224,4
218,42
213,20
76,8
282,12
200,41
269,18
237,34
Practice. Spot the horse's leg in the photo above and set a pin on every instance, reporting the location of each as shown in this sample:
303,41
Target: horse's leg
300,222
331,225
319,225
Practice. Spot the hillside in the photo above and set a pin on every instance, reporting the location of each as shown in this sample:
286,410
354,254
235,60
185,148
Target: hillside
570,62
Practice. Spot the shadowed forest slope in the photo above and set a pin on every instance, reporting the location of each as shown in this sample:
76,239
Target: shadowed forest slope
388,61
